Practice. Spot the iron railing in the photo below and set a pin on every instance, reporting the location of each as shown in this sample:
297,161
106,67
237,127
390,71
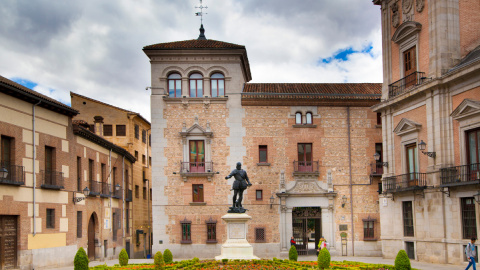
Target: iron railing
376,168
406,83
305,166
105,190
128,196
52,180
196,167
406,181
117,193
15,175
95,188
460,175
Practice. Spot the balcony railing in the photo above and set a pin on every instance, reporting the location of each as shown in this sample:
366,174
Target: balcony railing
52,180
129,196
15,176
105,190
460,175
376,169
117,193
405,84
95,188
196,167
408,181
305,166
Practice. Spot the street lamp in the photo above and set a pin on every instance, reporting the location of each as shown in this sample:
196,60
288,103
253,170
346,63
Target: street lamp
3,172
86,191
344,201
272,200
422,146
377,158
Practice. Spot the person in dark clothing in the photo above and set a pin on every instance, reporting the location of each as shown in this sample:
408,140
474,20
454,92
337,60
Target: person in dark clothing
292,241
239,185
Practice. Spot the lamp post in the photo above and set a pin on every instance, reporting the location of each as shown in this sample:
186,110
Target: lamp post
377,158
344,200
3,172
272,200
85,192
422,146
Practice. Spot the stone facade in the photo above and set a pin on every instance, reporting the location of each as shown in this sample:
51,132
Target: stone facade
139,189
343,135
43,224
435,105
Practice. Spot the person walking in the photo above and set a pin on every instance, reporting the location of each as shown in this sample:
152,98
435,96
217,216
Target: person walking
470,252
323,244
292,241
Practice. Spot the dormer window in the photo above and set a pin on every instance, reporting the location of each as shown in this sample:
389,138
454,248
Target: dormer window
298,118
218,85
196,85
175,85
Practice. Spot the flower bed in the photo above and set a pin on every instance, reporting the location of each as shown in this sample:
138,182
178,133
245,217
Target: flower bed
253,264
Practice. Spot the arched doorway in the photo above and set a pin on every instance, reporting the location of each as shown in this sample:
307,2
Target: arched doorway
307,229
91,237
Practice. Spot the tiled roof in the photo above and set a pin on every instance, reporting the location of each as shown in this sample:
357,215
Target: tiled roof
363,91
471,57
24,93
194,44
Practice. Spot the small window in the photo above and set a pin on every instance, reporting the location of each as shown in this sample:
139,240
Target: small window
260,235
469,222
144,136
186,231
379,118
127,220
143,159
79,224
107,130
144,193
211,231
174,85
298,118
309,118
50,218
136,154
197,193
259,194
262,154
91,171
150,194
137,191
368,229
196,85
218,85
137,132
150,140
104,173
407,219
121,130
79,174
410,249
150,161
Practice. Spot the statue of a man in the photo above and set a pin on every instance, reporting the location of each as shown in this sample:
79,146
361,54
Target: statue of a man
241,183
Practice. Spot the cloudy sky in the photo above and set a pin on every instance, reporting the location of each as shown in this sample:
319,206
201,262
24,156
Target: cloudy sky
94,47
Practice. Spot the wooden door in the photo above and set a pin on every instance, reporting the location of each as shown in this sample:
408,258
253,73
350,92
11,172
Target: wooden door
8,242
473,154
410,66
197,156
91,238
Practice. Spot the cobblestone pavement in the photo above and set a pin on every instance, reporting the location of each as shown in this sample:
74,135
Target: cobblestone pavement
415,264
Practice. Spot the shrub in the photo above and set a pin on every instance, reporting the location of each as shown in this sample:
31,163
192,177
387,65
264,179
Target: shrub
323,259
195,259
224,261
293,254
158,261
167,256
123,257
402,262
80,261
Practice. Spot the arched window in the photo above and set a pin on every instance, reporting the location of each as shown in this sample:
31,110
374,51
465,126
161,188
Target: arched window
298,118
196,85
175,85
309,118
218,85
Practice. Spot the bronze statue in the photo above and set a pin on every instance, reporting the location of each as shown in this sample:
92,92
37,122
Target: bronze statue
239,185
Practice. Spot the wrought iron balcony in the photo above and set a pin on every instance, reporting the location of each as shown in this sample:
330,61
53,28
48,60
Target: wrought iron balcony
196,169
95,188
52,180
128,196
15,175
117,193
406,83
305,167
460,175
376,169
402,182
105,190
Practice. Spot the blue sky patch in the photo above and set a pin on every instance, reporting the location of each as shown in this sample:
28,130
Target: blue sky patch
342,54
24,82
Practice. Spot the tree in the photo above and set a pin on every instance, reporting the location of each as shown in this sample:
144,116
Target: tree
324,259
80,261
123,257
167,256
159,262
293,254
402,262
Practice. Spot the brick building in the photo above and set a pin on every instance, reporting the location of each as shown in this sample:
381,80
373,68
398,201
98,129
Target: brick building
44,215
132,132
431,120
307,148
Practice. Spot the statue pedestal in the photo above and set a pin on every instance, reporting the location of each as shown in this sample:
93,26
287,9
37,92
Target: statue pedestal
236,246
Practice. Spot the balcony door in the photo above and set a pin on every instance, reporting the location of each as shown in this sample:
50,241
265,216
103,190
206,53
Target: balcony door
305,157
197,156
473,154
49,177
410,66
412,165
6,152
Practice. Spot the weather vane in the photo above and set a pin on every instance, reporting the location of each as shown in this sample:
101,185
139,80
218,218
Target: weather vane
201,7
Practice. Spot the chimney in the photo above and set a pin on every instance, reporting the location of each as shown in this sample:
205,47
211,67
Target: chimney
98,122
